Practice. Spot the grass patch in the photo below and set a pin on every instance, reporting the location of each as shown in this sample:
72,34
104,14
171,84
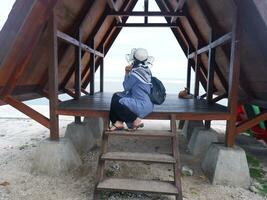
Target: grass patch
256,172
252,162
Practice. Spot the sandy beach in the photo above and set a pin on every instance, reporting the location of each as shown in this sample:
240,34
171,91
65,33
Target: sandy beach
19,138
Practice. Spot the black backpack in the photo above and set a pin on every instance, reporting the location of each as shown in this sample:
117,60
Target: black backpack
158,91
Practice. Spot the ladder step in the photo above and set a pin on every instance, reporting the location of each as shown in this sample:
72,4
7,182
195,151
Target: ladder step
139,157
135,185
141,133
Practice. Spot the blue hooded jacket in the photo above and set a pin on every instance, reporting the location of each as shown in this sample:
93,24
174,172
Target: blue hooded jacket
137,86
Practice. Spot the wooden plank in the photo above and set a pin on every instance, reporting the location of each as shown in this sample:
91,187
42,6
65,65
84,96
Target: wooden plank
21,51
53,77
156,116
176,155
139,157
242,127
134,185
141,133
28,111
113,6
219,42
188,77
234,72
73,41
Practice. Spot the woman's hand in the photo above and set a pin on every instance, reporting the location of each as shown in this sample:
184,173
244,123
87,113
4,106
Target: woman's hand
128,68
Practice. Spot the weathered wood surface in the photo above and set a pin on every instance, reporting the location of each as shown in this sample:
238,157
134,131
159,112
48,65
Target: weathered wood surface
184,108
119,184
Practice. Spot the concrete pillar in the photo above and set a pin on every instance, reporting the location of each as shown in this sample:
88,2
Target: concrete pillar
81,136
95,124
201,140
226,166
55,158
189,126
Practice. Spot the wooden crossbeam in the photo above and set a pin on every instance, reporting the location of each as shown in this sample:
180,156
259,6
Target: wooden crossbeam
220,97
73,41
251,122
28,111
24,43
113,6
178,8
141,25
146,14
220,41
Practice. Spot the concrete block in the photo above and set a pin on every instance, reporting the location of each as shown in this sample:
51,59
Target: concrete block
189,126
200,141
226,166
81,136
95,124
55,158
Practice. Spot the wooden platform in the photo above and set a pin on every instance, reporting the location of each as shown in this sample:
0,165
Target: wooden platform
184,109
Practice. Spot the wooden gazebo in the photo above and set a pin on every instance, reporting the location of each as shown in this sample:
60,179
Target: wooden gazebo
55,46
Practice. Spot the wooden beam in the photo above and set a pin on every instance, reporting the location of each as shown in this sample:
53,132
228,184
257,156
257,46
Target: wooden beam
113,6
146,14
234,72
197,74
73,41
92,72
102,75
178,8
77,64
141,25
220,41
53,77
28,111
211,70
220,97
146,10
22,48
251,122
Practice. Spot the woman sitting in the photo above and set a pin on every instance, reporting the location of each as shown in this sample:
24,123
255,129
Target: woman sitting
133,103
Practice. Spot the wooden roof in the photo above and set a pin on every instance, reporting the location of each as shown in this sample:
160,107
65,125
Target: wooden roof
24,49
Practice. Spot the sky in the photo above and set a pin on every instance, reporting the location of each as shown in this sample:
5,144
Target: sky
170,62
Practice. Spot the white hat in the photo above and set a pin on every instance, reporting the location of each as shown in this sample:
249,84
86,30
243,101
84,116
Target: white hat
140,54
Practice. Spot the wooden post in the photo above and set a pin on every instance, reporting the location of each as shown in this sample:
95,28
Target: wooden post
146,10
197,74
234,73
53,77
77,64
211,69
102,73
92,70
188,78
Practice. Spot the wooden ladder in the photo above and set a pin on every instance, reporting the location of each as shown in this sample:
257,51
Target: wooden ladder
136,185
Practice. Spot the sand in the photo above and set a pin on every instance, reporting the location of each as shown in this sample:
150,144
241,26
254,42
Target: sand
18,141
